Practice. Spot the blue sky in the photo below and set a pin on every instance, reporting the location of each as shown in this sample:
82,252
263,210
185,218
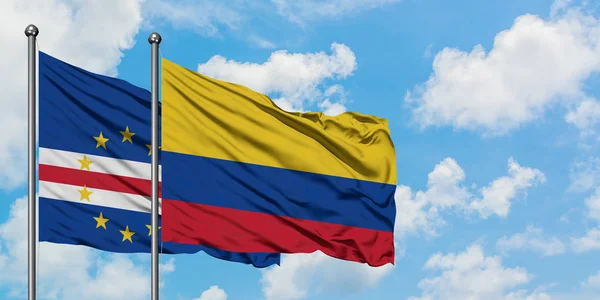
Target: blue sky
491,104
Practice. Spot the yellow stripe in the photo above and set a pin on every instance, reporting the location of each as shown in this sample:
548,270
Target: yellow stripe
211,118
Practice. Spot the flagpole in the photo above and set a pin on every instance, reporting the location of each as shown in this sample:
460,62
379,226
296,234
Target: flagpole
31,32
154,39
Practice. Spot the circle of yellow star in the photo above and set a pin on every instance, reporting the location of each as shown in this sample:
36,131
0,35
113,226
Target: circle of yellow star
127,135
85,163
127,234
85,194
150,229
101,140
101,221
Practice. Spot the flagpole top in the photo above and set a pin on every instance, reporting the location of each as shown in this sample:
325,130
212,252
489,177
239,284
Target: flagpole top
154,38
31,30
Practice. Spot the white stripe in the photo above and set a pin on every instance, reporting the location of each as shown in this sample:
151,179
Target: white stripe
120,167
67,192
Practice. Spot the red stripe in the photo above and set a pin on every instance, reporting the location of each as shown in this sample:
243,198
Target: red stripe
103,181
244,231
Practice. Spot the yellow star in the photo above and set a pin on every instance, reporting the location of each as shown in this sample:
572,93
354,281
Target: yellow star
85,163
101,141
127,234
101,221
85,194
150,149
127,135
150,229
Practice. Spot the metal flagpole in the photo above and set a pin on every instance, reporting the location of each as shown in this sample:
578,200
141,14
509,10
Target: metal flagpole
154,41
31,32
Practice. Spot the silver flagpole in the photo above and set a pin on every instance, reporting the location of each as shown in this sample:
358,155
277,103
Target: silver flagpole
31,32
154,41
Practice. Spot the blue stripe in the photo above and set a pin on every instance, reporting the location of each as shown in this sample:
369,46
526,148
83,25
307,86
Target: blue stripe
73,223
276,191
75,105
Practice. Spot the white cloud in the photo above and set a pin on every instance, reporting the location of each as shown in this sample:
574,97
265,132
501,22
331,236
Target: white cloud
261,42
443,185
427,53
532,239
297,78
168,266
593,282
532,66
213,293
585,117
446,191
301,274
535,295
75,31
126,281
585,175
420,211
593,205
68,271
332,109
215,18
498,195
472,275
589,242
415,214
201,16
301,11
559,6
334,103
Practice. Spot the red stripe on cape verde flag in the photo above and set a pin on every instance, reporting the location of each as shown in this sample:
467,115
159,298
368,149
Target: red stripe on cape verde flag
109,182
97,180
101,164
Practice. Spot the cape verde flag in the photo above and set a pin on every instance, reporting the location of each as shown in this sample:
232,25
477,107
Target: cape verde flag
94,165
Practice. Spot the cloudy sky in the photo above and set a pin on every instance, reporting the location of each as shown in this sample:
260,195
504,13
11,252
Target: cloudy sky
493,111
